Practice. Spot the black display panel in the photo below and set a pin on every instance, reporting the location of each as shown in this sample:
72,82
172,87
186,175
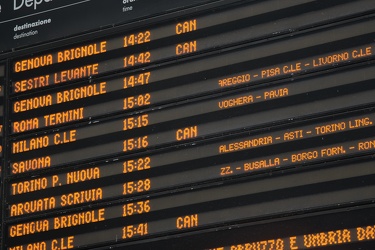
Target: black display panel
2,90
191,125
186,211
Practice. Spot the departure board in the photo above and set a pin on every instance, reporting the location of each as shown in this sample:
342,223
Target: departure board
220,125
